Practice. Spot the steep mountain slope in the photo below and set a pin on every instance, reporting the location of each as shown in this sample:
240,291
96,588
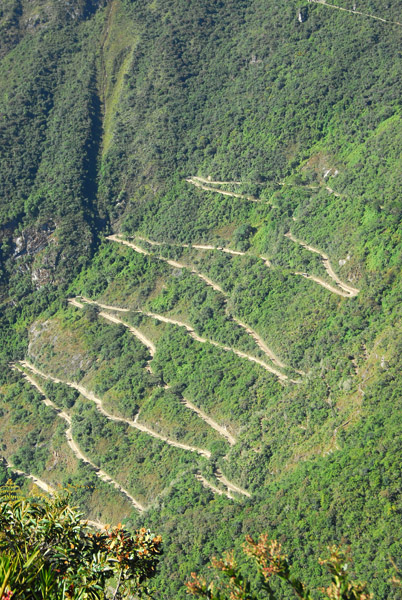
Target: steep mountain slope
215,187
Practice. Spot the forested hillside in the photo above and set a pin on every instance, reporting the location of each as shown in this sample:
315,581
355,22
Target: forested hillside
200,227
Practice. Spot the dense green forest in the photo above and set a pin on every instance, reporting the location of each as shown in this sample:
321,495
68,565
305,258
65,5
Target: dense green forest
200,283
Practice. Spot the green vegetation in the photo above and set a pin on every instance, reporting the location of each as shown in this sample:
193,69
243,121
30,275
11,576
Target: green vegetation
230,582
48,551
107,112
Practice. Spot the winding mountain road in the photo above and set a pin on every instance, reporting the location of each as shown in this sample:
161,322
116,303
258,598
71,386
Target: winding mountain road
324,284
73,445
355,12
231,486
204,247
210,182
209,486
195,246
260,342
90,396
136,332
203,340
222,430
39,482
347,290
217,288
105,306
209,188
331,191
135,424
49,490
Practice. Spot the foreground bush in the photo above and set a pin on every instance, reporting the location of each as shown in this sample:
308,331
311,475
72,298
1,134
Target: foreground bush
48,551
230,584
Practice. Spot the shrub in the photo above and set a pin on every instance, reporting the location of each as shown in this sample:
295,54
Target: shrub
48,551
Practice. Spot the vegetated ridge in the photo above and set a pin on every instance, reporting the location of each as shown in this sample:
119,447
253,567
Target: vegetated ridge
217,288
280,256
132,423
73,445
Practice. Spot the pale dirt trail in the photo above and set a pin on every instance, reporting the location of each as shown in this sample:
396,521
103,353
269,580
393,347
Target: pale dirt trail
153,243
95,524
202,340
190,330
355,12
209,282
248,329
205,247
99,472
172,263
39,482
75,448
75,303
350,291
222,430
51,491
260,342
220,248
105,306
136,332
266,260
210,486
195,246
113,319
45,400
231,486
251,332
91,396
116,238
187,403
208,188
331,191
323,283
217,288
208,180
312,187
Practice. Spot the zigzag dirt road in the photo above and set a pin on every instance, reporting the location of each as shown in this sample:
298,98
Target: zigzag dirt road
217,288
209,486
356,12
210,182
38,482
73,445
135,424
90,396
136,332
209,188
231,486
347,290
221,430
51,491
195,246
100,473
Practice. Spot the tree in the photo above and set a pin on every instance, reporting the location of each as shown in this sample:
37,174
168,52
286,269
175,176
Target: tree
231,584
48,551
